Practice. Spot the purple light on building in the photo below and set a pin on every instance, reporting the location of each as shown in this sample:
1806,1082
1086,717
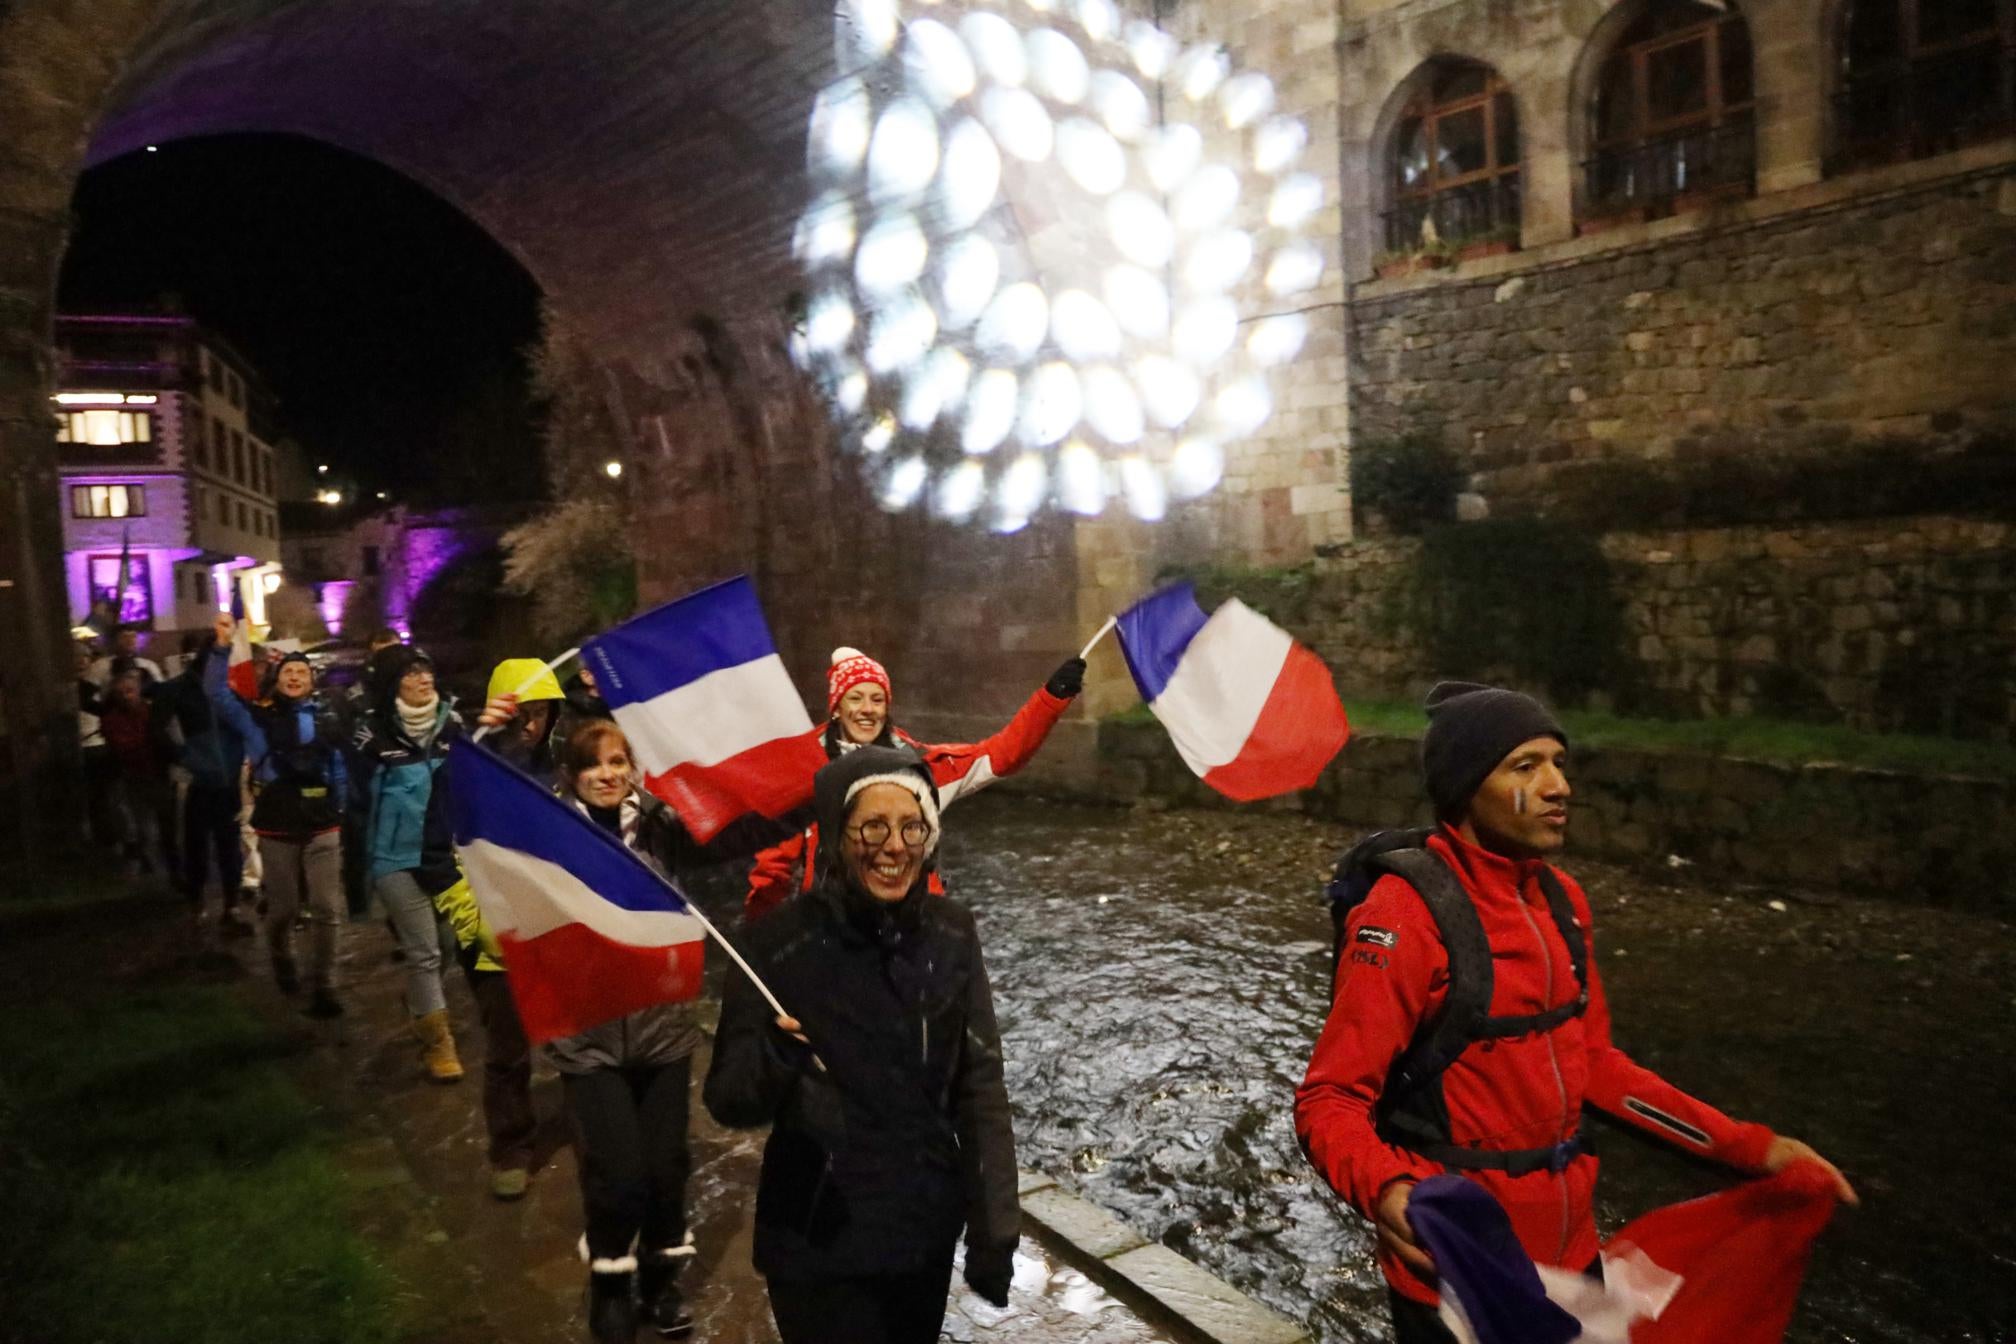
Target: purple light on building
334,594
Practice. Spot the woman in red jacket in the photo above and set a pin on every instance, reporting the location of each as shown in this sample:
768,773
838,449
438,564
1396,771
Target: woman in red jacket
858,697
1506,1111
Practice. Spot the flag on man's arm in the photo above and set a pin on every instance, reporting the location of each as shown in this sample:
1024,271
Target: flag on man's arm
1252,712
712,717
590,931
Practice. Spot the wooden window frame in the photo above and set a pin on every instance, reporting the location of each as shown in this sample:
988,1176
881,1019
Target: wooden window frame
1901,67
1423,107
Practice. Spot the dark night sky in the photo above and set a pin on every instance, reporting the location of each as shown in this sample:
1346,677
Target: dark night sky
392,328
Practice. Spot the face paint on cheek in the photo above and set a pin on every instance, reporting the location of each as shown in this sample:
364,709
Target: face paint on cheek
1519,801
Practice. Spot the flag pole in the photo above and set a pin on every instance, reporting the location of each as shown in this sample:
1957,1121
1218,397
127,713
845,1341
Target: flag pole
1104,630
693,909
526,685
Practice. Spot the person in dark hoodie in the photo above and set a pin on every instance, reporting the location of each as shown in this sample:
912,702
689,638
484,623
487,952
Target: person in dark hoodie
884,1090
403,738
213,754
299,779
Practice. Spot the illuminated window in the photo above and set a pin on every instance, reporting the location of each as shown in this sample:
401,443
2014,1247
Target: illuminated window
1455,159
132,598
106,428
1673,117
108,501
1922,77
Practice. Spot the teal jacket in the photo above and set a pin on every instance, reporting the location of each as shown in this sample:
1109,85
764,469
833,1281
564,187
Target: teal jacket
402,779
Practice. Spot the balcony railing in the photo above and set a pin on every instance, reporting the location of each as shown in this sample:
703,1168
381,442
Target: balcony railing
1474,210
1653,174
1934,105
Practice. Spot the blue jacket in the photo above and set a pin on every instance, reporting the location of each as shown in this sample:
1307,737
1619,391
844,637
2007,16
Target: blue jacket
402,779
297,769
212,751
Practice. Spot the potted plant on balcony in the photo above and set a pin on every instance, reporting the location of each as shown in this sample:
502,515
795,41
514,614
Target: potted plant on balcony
1430,255
1490,243
1605,216
1702,197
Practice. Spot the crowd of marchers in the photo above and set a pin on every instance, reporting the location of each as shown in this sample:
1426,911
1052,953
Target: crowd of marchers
1468,1029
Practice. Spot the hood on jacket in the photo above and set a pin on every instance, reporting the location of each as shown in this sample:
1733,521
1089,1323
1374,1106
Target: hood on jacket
830,788
533,681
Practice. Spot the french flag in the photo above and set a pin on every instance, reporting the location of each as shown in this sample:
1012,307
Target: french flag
711,714
241,673
1724,1269
591,932
1252,712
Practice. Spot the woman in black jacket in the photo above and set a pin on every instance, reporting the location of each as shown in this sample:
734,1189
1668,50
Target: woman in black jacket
889,1116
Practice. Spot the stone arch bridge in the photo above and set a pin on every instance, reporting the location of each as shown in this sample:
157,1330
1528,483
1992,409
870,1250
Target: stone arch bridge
644,160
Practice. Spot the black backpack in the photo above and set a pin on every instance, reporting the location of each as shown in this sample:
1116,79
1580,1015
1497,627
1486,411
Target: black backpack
1411,1112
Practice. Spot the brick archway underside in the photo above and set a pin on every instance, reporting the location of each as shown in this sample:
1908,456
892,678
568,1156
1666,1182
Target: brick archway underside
643,159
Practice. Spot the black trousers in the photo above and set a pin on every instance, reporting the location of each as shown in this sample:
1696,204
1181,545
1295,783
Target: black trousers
1417,1323
630,1146
507,1072
210,828
879,1309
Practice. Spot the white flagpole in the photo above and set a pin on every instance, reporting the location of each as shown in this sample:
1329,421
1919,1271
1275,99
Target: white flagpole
526,685
1104,630
693,909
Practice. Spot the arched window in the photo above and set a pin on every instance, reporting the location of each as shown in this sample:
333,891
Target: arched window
1921,77
1455,160
1673,121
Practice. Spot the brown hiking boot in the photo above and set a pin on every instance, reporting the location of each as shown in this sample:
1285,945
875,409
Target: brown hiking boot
443,1066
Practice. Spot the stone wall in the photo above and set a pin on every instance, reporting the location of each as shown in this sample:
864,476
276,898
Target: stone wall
1898,626
1944,841
1886,315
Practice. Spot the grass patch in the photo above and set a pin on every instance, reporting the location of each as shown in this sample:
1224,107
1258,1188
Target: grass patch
1750,738
60,883
164,1179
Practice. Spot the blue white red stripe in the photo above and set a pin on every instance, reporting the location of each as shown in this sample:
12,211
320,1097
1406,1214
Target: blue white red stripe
1252,712
1725,1268
711,714
590,931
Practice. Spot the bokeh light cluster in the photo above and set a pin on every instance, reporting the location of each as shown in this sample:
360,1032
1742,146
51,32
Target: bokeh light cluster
1032,225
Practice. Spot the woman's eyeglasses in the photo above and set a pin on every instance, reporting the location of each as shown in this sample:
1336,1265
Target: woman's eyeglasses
875,834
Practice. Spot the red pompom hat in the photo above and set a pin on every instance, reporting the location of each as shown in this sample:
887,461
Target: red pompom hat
851,668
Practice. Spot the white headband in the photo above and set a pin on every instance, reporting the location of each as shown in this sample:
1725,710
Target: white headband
917,788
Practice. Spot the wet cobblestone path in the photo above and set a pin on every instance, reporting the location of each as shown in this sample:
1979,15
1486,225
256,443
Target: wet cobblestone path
1161,978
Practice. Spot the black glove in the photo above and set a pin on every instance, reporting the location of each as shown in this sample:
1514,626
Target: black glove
1068,679
989,1272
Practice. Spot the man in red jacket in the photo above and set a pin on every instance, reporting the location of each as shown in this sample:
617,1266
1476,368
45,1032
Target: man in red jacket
1502,1102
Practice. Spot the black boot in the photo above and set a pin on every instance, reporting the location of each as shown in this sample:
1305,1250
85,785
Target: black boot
612,1310
664,1307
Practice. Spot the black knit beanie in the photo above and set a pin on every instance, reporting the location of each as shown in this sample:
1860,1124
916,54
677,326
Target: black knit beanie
1470,729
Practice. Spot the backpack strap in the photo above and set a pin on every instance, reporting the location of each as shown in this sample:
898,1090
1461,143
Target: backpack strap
1411,1112
1466,1005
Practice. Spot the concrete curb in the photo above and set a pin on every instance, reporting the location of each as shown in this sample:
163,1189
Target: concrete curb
1167,1290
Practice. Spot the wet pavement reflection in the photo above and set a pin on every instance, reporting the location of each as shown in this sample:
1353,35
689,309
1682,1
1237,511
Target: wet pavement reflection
1160,978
